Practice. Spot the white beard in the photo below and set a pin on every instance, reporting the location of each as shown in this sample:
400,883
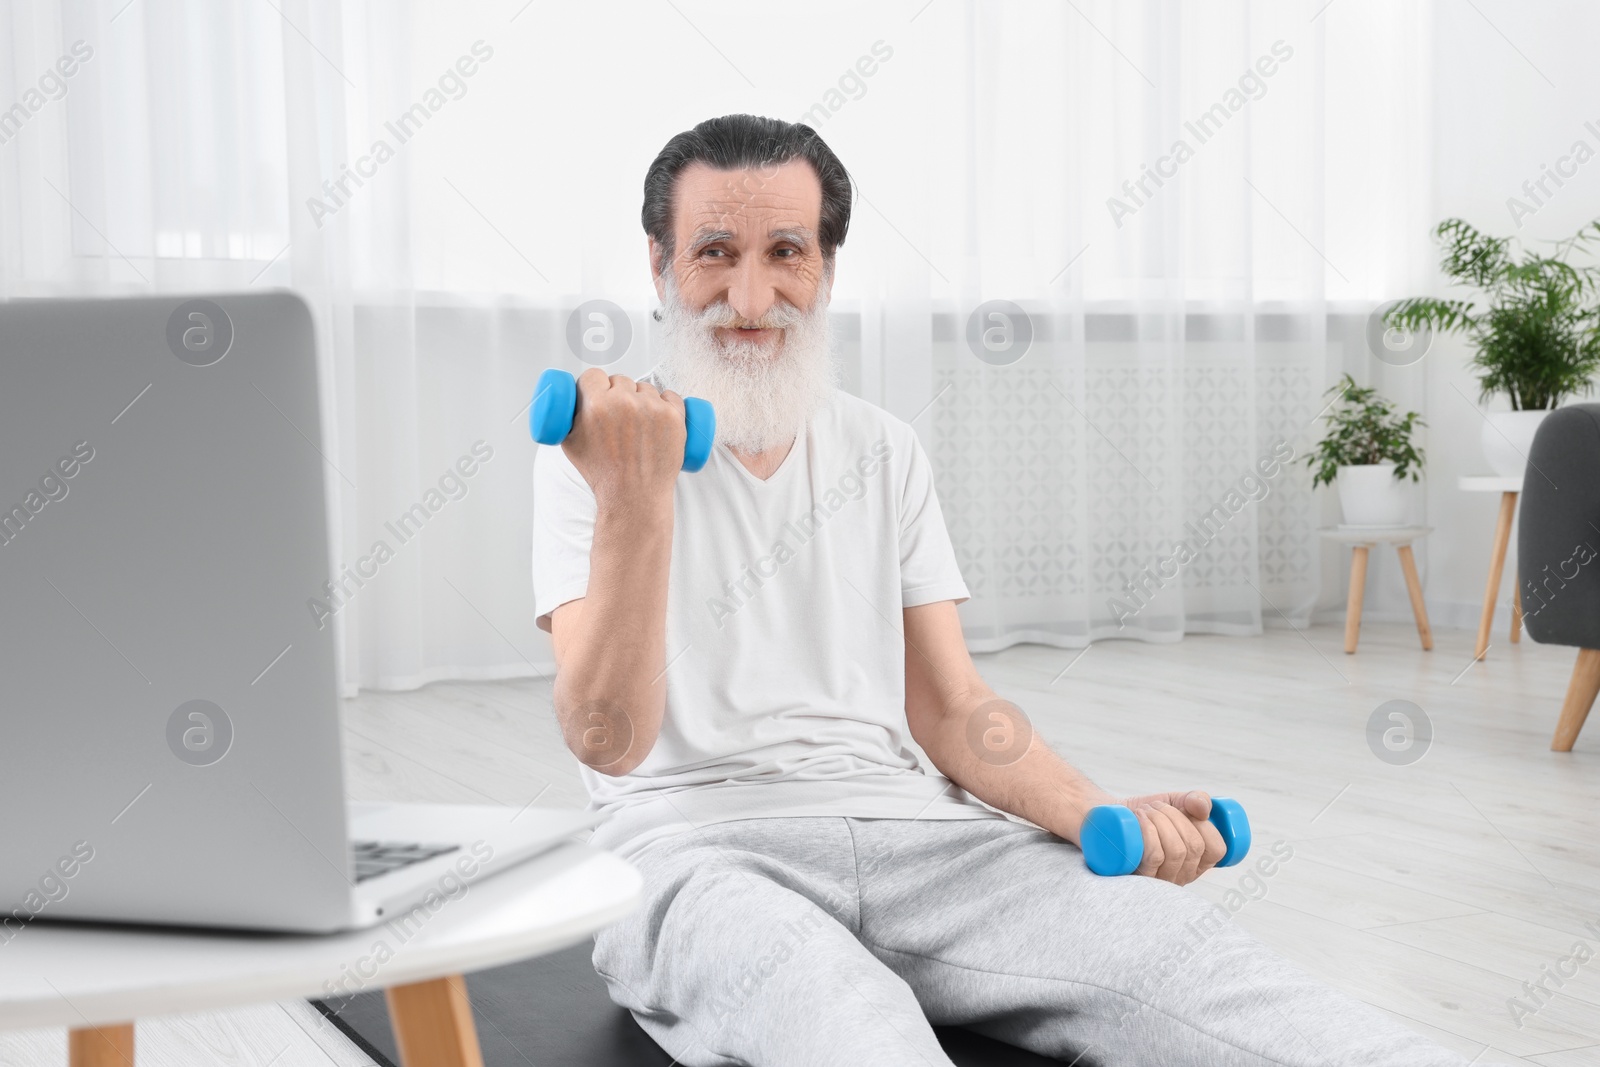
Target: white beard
761,398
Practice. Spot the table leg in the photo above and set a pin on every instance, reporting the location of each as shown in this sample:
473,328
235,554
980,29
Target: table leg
101,1046
1516,609
1408,564
1497,566
433,1025
1358,588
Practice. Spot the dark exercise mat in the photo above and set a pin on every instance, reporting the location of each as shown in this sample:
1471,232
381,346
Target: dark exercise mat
554,1011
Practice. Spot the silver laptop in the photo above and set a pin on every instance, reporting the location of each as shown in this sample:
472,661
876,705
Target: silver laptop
169,716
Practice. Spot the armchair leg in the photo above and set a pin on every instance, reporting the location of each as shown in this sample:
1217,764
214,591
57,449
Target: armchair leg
1516,609
1581,691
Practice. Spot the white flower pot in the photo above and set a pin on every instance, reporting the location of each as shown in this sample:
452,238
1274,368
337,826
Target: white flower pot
1507,438
1370,495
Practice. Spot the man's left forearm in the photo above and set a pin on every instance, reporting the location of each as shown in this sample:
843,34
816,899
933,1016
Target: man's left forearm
984,745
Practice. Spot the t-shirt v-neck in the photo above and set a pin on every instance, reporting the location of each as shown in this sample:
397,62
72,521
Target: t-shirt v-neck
788,460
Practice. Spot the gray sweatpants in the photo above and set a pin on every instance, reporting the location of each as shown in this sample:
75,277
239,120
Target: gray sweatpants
827,941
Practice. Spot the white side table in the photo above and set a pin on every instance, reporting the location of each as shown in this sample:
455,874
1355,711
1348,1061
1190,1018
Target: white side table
96,978
1362,538
1508,488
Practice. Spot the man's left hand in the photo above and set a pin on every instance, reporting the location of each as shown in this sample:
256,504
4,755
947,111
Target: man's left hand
1180,844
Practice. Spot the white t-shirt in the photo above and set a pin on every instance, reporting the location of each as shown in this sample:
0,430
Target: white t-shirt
784,642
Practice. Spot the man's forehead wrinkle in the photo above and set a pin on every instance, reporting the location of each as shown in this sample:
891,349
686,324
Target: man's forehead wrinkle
767,202
736,225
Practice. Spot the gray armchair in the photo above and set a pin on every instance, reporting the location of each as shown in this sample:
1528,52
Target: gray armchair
1558,552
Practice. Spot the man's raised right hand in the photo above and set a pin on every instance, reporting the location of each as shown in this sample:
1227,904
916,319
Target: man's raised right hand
627,439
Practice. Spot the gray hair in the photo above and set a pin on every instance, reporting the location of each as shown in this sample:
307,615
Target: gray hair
739,142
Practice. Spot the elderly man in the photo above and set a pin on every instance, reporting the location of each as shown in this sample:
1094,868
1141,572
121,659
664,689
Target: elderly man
745,655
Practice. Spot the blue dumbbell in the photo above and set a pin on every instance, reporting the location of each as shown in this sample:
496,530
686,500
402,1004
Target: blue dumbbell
556,401
1113,844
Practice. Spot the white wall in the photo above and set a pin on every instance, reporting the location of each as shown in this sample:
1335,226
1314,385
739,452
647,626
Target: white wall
1515,82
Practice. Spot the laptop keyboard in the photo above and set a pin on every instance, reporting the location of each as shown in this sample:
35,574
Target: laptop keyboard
380,857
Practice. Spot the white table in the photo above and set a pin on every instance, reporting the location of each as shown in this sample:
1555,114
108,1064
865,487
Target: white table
1508,488
96,979
1361,539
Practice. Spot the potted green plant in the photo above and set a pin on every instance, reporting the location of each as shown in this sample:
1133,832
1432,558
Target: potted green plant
1536,338
1367,451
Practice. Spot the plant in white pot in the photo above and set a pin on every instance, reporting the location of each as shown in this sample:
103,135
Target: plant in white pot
1367,452
1537,339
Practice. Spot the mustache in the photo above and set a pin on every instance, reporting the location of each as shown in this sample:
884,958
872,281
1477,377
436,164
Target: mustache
780,316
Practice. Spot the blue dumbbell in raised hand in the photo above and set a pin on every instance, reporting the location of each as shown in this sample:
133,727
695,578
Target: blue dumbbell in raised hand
1113,843
555,402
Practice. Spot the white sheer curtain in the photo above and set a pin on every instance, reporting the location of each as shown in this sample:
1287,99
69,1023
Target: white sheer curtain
446,183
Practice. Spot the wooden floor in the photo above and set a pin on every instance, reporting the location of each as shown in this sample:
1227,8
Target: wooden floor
1432,890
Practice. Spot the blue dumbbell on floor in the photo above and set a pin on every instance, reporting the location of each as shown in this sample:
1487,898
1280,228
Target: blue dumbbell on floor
1113,844
555,402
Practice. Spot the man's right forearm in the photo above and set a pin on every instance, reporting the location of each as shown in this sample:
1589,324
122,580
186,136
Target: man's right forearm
611,691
